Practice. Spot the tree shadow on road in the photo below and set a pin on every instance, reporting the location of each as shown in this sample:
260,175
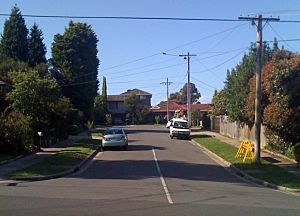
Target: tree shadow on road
143,169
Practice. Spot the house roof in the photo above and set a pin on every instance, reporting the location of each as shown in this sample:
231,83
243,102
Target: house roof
136,92
201,107
115,97
173,106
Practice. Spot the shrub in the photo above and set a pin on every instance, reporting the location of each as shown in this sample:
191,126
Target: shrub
297,152
108,119
157,119
16,135
74,129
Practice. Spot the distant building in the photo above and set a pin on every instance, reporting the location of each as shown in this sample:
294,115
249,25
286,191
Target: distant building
178,109
116,103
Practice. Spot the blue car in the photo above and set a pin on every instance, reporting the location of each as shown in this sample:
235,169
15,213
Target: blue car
114,137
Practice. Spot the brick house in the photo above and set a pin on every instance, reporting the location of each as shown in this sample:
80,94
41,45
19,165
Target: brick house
175,107
116,103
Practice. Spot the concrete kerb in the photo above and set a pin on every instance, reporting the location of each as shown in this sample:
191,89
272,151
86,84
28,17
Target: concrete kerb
65,173
244,175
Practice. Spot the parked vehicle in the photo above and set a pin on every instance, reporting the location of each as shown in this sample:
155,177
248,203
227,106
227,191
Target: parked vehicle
179,128
114,137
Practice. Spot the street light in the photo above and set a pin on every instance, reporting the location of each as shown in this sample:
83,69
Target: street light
40,135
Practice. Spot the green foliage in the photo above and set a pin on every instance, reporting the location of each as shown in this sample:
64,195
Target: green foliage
8,65
104,95
281,86
100,109
181,96
74,58
89,125
196,117
36,47
219,102
108,119
157,119
74,129
237,85
15,133
39,99
14,42
137,112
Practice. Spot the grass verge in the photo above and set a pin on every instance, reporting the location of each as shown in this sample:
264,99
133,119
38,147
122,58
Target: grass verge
4,157
265,171
60,162
97,133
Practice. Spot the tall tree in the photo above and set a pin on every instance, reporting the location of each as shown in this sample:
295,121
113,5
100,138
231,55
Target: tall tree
14,41
104,94
181,96
74,55
36,47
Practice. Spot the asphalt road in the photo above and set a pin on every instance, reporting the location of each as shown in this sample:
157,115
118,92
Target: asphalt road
156,176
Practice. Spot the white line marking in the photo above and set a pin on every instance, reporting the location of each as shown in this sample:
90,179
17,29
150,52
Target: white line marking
162,179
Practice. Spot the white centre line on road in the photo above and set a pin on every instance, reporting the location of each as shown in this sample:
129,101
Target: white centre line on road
162,178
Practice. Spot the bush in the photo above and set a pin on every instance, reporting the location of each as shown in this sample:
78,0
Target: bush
297,152
16,135
74,129
157,119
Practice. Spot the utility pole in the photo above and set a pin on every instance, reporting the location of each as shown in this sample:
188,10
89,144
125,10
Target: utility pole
167,84
188,56
258,98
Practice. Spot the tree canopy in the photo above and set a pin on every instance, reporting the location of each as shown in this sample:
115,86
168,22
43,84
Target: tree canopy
36,47
74,56
14,43
181,96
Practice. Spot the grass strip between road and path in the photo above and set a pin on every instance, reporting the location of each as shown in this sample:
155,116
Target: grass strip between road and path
265,171
64,160
97,133
4,157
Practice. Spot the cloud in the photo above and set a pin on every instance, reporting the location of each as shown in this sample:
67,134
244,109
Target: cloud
205,99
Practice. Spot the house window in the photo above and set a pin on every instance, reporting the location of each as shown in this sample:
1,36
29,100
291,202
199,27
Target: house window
142,97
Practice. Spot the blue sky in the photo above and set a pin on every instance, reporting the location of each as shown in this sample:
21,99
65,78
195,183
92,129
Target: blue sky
219,45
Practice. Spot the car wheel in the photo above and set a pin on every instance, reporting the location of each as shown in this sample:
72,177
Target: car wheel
171,137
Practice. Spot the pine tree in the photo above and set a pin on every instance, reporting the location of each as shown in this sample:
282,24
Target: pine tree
36,47
14,41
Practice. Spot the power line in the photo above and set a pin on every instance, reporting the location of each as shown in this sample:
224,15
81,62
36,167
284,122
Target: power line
138,18
281,37
177,47
204,83
221,63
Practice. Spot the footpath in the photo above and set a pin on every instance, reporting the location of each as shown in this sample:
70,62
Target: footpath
286,163
37,157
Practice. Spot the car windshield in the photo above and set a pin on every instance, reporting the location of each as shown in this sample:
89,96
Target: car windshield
179,124
113,131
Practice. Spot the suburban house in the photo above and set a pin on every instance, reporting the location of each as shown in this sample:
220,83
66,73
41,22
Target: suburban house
116,105
181,110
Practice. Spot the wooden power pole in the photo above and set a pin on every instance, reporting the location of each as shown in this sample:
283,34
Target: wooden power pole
167,84
258,95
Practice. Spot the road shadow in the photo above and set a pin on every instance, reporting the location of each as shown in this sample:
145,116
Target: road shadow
136,131
143,169
135,148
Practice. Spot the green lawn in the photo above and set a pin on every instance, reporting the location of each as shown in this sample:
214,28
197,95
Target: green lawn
98,132
60,162
4,157
265,171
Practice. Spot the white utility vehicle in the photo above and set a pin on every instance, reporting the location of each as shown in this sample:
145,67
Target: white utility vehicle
179,128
